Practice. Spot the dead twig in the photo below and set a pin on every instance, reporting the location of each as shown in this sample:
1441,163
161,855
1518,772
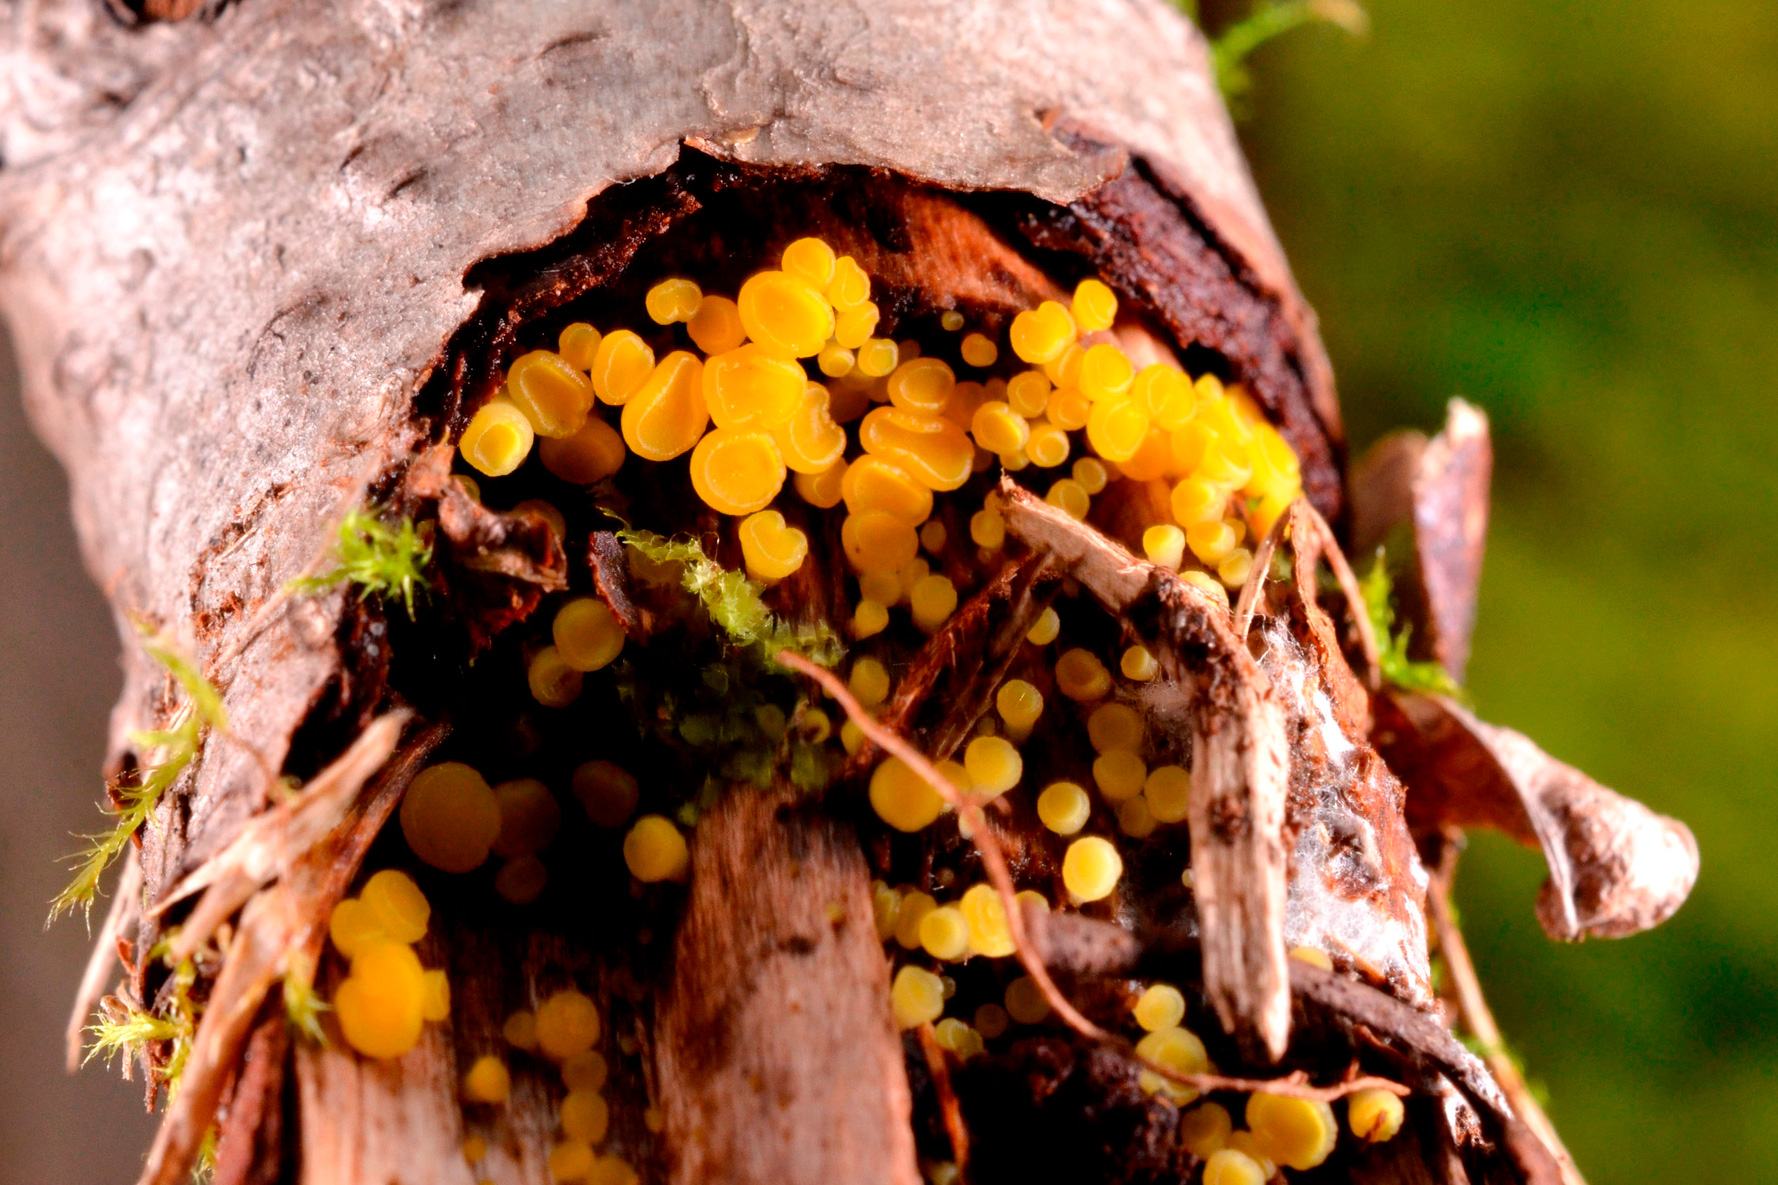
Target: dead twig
1336,559
948,1106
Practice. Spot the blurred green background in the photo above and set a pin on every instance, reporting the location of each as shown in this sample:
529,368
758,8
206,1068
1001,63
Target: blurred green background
1568,213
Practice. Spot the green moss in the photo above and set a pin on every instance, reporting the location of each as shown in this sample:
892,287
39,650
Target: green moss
1392,644
127,1037
1268,19
141,793
303,1006
736,603
382,561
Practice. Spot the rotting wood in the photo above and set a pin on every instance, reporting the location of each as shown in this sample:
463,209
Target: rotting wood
777,1056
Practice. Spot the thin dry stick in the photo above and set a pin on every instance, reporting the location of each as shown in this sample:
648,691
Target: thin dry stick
1256,575
1336,559
987,845
948,1106
1479,1019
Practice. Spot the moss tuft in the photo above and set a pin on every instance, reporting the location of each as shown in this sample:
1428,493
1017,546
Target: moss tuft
381,560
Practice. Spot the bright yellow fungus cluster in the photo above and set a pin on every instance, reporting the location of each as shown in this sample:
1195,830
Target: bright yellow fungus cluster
384,1002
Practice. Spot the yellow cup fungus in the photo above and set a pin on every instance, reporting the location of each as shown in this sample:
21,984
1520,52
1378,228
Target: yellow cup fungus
450,817
497,439
1374,1115
654,850
1296,1132
1091,868
917,997
587,634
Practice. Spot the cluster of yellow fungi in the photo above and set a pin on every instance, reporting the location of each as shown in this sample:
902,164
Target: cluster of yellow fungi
383,1003
790,383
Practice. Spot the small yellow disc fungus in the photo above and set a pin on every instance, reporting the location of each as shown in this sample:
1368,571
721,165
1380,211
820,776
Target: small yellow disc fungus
1040,335
836,361
1295,1132
520,1030
1091,868
770,549
1207,584
1019,704
850,285
1153,459
1047,630
1161,1006
567,1024
666,414
379,1004
988,529
933,536
885,909
1226,1166
1067,495
488,1080
869,618
1095,306
751,387
877,357
869,682
944,934
1105,375
592,454
979,350
716,327
736,471
1204,1130
1081,676
1134,819
915,905
520,880
395,901
450,817
1168,791
587,634
917,997
1211,542
994,766
809,259
1028,393
553,395
585,1116
578,343
958,1037
1374,1115
878,542
1048,446
607,792
1175,1049
785,314
811,441
553,683
1064,369
1115,726
497,439
615,1170
989,933
998,428
1069,410
585,1071
474,1147
921,385
1165,546
1119,774
851,738
672,300
1025,1002
1116,429
951,320
934,452
1139,664
1091,474
351,925
570,1160
902,798
852,328
1244,1143
873,483
1234,568
529,818
1064,807
932,599
821,490
621,365
1311,956
654,850
1197,500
